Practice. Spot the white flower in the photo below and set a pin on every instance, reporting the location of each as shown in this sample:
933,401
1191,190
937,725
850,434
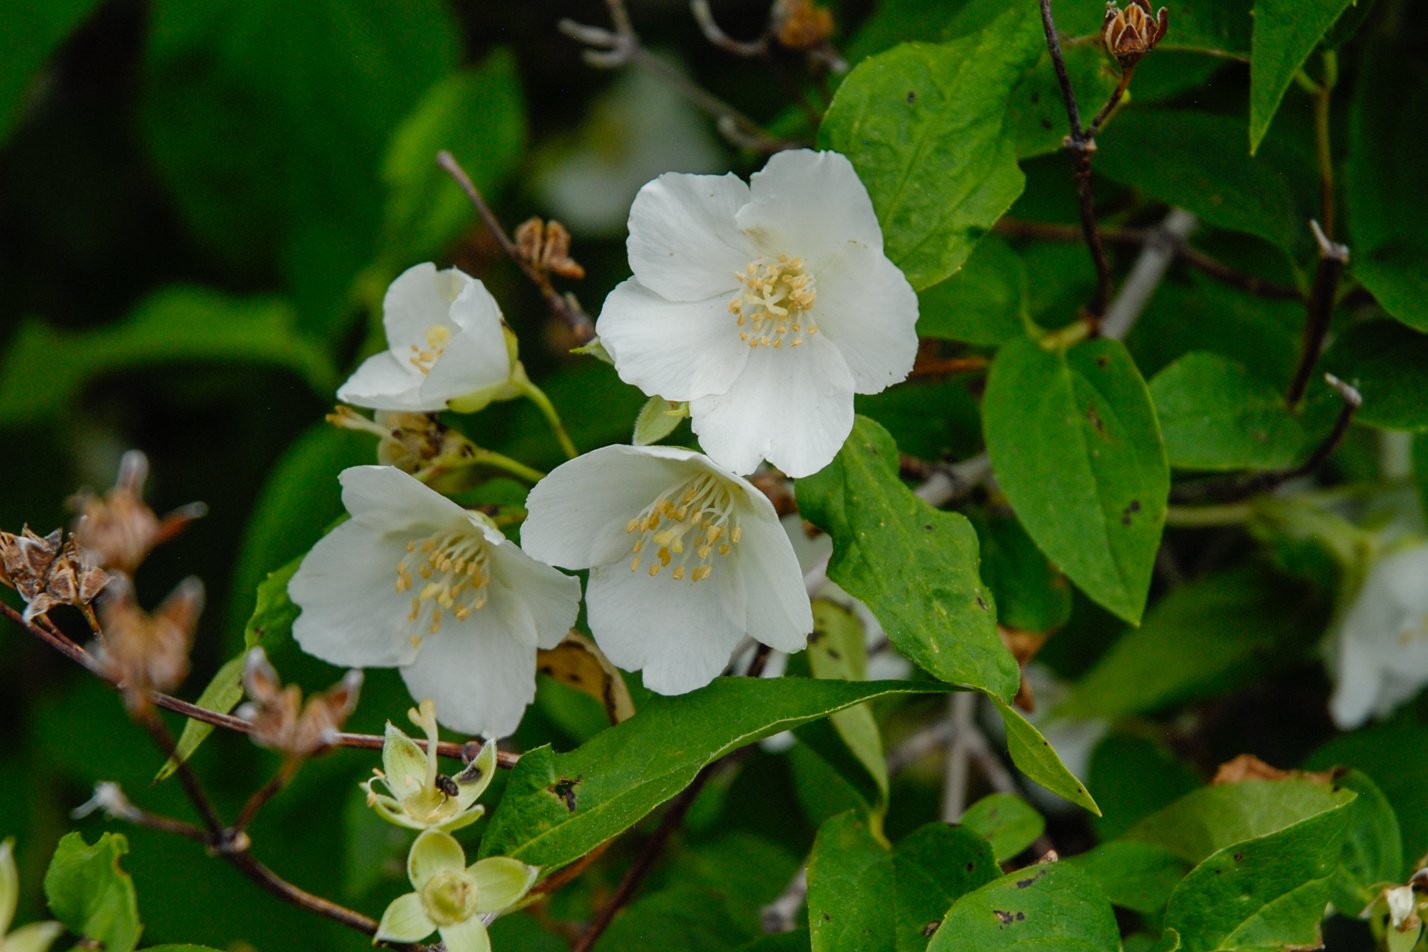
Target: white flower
451,897
685,560
415,581
1379,649
446,341
766,306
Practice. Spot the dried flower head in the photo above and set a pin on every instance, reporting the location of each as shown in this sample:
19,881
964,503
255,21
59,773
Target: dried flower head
800,25
118,530
1131,33
143,652
546,247
48,571
282,722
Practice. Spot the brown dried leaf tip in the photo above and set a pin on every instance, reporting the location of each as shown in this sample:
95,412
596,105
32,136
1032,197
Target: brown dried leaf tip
143,652
545,246
1249,767
1131,33
800,25
280,720
48,571
118,530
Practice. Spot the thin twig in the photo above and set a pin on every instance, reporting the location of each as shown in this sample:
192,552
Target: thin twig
781,915
263,794
704,16
1145,276
187,778
961,709
1323,148
1116,94
1333,258
251,867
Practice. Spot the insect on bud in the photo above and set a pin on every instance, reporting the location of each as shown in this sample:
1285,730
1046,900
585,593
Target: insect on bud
1131,33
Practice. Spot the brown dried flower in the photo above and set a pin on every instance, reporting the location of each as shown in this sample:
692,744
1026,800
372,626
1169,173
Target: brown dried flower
48,571
800,25
280,720
143,652
412,442
1131,33
546,247
118,530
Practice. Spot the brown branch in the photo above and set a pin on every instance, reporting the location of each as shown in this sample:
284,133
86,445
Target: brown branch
1318,310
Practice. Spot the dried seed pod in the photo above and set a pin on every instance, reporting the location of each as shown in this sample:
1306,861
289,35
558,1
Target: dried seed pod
546,247
1131,33
143,652
118,530
282,722
48,571
800,25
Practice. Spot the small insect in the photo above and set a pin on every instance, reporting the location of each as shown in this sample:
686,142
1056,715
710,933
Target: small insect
446,785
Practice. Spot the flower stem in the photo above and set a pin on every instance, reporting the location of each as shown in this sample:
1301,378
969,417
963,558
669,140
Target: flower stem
537,396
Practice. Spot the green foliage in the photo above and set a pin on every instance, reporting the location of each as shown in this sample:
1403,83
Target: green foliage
984,303
1031,595
1373,850
1214,415
1048,906
914,566
1388,363
1034,756
1006,821
1082,464
91,894
44,24
1285,33
836,649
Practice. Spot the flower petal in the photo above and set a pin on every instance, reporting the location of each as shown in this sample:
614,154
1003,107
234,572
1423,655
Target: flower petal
35,937
501,882
1356,688
388,500
351,613
383,382
403,762
866,307
405,921
779,612
792,408
468,936
551,598
476,356
480,675
418,300
684,244
809,203
433,852
476,777
676,350
679,633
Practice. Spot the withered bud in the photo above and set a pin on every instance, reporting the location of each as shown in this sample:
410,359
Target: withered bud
48,571
801,25
546,247
143,652
280,720
118,530
413,441
1129,34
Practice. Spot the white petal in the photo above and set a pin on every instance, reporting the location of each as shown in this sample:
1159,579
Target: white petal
866,307
1356,688
675,350
383,382
476,357
352,613
480,675
577,515
418,300
809,203
779,612
403,762
501,882
405,921
679,633
385,499
468,936
792,408
433,852
684,244
35,937
551,598
9,886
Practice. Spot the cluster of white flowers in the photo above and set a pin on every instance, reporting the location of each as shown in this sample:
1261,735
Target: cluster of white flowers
765,306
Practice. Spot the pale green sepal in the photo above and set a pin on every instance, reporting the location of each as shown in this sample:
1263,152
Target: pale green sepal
515,385
432,853
403,762
501,882
657,419
36,937
473,781
462,820
404,921
468,936
594,349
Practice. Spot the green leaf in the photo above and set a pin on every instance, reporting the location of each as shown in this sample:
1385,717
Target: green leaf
1031,595
923,125
181,948
836,649
46,368
1285,33
1050,906
1214,415
1006,821
1036,112
558,807
1268,891
934,866
850,888
657,419
1198,641
984,303
43,25
1075,445
1373,850
91,894
221,695
1135,777
479,116
684,917
1133,875
1035,757
1210,26
1183,158
1388,363
913,565
1394,274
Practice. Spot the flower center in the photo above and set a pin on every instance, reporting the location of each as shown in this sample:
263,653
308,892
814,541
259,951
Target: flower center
449,897
688,524
451,565
774,304
437,337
